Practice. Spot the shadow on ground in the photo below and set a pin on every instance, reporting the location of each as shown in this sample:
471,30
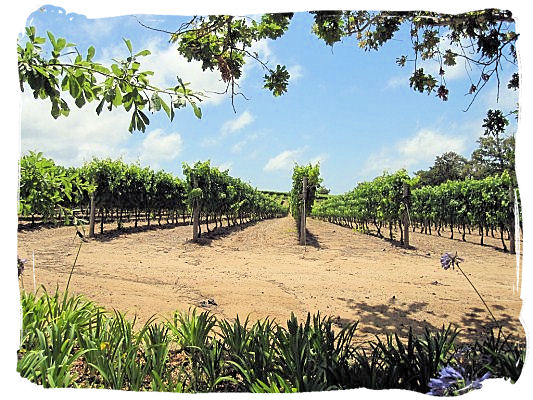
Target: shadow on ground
206,238
399,317
116,233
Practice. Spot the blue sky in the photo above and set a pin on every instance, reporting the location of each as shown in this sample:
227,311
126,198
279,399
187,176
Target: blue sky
349,109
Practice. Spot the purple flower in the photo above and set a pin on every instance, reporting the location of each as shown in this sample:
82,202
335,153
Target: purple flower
447,260
448,376
452,380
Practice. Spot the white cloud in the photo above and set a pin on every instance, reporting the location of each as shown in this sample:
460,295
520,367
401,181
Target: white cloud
157,147
238,123
97,29
225,166
384,160
74,139
237,147
427,144
413,152
296,72
284,160
262,48
319,159
397,81
209,141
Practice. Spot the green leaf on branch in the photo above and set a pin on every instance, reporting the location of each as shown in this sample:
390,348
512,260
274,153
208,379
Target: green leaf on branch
90,53
100,106
51,37
197,110
128,44
143,53
117,99
166,108
116,70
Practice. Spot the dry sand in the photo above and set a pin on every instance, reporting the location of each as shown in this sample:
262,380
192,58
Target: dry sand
262,271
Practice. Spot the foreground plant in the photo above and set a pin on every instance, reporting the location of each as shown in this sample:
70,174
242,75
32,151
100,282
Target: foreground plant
70,342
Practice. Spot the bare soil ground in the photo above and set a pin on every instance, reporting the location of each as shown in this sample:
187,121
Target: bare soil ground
261,271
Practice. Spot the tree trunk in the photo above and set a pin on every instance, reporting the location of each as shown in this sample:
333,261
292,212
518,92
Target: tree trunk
503,241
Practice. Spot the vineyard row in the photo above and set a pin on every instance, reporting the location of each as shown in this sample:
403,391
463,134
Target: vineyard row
486,204
127,190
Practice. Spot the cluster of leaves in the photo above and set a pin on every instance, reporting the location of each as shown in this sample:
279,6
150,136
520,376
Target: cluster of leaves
485,39
296,199
379,201
49,190
223,42
485,203
217,194
122,84
68,341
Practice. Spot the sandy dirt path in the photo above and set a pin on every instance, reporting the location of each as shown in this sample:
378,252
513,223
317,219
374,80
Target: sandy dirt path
262,271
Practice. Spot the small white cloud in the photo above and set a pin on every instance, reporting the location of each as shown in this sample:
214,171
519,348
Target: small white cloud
263,50
237,124
284,160
296,72
237,147
209,142
397,81
319,159
384,160
225,166
157,147
96,29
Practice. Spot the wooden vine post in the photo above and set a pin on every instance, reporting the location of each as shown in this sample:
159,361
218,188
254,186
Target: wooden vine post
195,213
302,213
406,199
91,217
512,248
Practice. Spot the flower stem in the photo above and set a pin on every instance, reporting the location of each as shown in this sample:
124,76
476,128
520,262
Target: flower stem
72,270
471,284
